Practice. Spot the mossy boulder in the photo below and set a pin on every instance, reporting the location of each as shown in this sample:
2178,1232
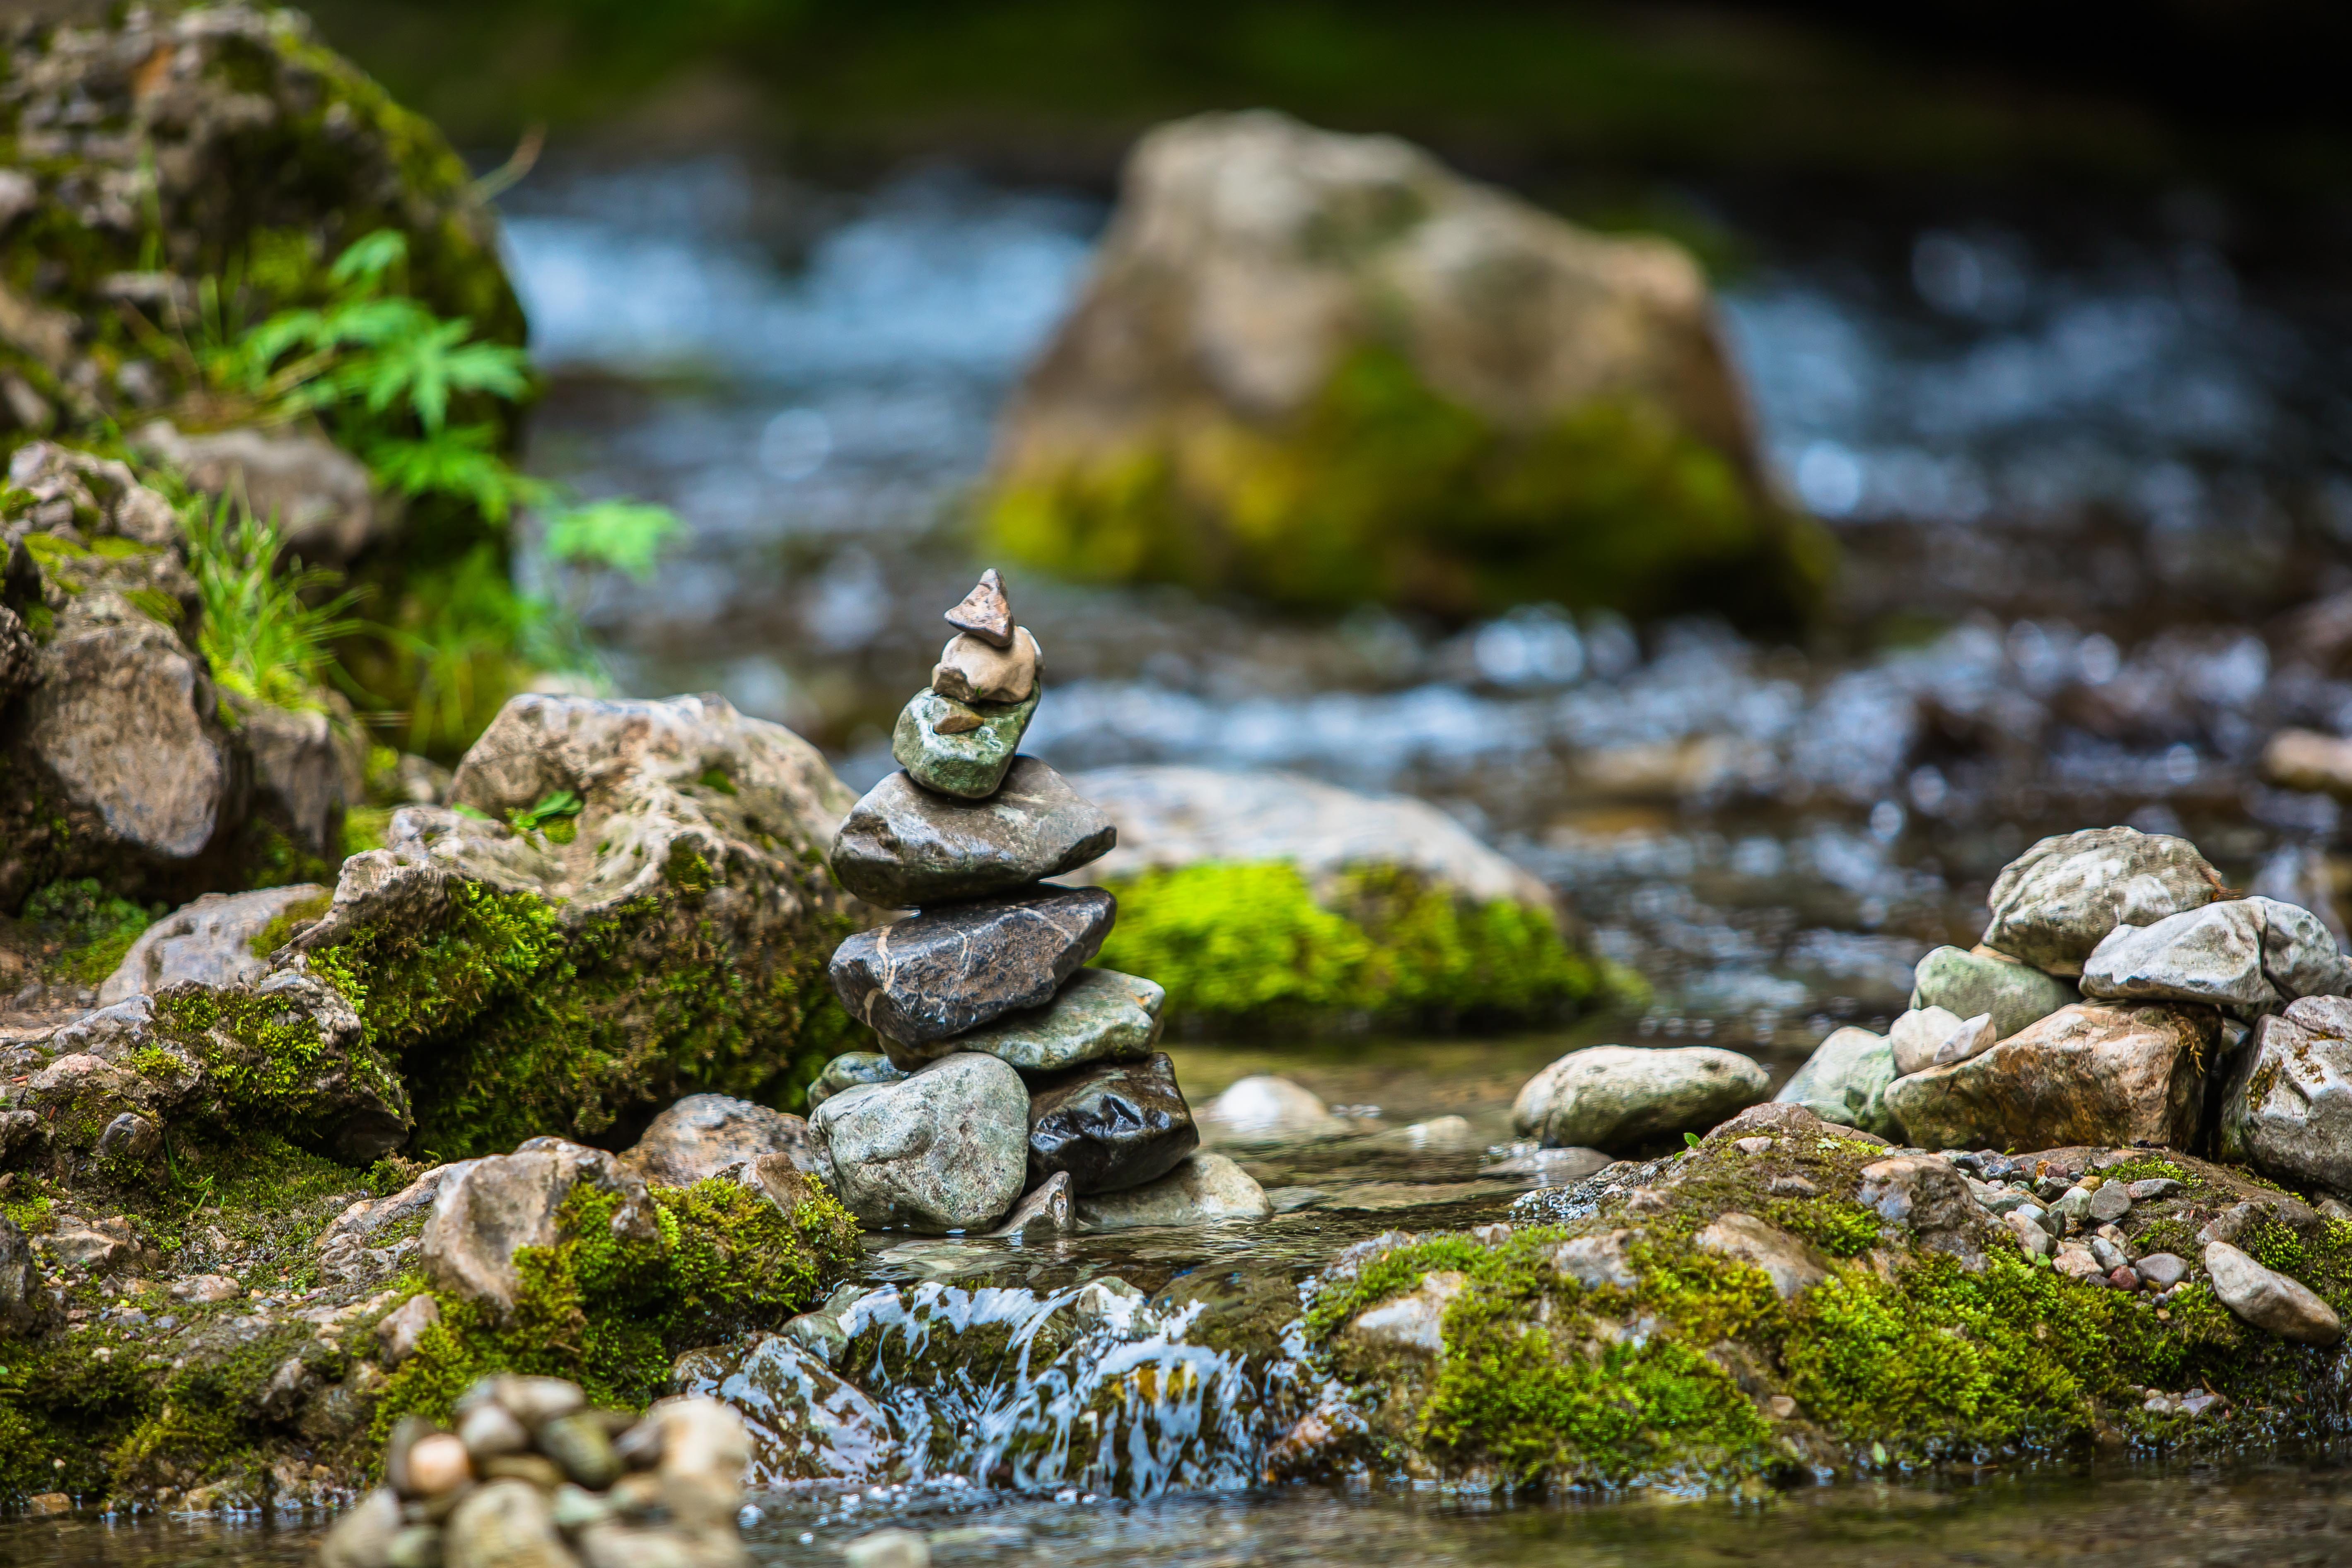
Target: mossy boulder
1274,901
627,902
181,147
1323,369
1788,1298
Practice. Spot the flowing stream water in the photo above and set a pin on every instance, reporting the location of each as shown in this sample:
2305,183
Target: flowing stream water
2078,469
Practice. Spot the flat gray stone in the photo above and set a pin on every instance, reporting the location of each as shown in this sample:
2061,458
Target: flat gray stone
961,748
1109,1126
1843,1079
2269,1299
2288,1107
941,973
1099,1016
905,847
2247,955
1204,1189
2057,902
944,1149
703,1134
1624,1097
1966,983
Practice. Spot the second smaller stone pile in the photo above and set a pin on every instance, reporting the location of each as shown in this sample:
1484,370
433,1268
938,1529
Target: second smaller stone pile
1010,1067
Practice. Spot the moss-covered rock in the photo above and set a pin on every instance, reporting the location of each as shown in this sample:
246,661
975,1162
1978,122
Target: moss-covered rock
1272,899
629,904
1323,370
1609,1336
185,148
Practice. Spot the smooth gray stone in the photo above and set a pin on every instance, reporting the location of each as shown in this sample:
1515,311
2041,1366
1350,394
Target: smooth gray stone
1621,1098
2054,903
1845,1078
905,847
1100,1016
1110,1127
2287,1107
1966,983
851,1068
970,763
2269,1299
2245,953
944,1149
939,973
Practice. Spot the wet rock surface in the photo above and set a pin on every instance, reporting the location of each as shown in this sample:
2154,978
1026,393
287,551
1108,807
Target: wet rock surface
936,975
2268,1300
961,749
905,847
1109,1126
2249,954
1204,1189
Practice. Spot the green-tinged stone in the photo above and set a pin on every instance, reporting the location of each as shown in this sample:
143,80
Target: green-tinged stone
1100,1016
972,763
851,1068
1968,984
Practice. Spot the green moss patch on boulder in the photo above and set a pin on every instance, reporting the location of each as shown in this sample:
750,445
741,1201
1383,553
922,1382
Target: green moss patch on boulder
1372,380
1609,1338
576,973
1253,944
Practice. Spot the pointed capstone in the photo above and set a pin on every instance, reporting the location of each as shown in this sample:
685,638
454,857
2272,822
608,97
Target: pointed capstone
985,612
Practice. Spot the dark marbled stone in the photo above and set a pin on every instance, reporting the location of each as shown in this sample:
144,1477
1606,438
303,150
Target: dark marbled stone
1111,1126
905,847
939,973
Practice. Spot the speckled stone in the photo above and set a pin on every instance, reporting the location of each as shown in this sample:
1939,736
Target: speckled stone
932,744
1100,1016
905,847
936,974
1111,1126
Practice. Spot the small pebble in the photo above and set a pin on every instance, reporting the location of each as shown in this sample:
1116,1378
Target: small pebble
2123,1279
489,1430
438,1464
1753,1145
1792,1187
2152,1189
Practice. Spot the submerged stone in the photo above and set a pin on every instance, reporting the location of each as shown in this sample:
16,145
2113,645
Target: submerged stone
1110,1127
1966,983
1100,1016
905,847
1622,1097
944,1149
957,748
1263,1108
936,975
2056,902
1204,1189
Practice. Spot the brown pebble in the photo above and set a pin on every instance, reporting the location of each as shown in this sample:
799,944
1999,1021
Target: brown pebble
438,1464
986,613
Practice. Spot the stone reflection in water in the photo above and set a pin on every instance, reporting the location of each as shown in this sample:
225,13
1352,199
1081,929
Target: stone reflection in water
1092,1387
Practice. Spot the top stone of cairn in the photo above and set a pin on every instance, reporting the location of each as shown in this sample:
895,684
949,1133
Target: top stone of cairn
985,612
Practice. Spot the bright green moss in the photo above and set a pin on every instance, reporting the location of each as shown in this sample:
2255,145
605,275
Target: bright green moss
1905,1356
1384,489
283,925
1249,942
94,927
612,1315
508,1024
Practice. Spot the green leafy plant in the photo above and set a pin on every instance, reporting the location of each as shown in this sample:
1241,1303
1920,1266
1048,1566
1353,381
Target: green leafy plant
267,631
554,815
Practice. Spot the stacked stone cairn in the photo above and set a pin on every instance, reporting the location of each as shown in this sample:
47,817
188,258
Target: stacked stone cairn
1009,1067
534,1478
2123,1006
